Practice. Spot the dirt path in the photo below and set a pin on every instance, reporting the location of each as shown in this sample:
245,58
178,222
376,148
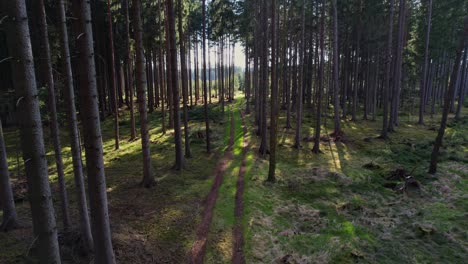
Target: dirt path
198,249
237,253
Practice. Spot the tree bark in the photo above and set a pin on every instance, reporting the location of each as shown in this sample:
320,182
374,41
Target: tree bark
388,62
69,95
54,127
128,63
422,88
321,77
148,177
336,65
357,64
10,218
300,88
398,66
31,133
100,225
449,92
274,98
113,88
205,92
264,81
183,68
461,94
175,91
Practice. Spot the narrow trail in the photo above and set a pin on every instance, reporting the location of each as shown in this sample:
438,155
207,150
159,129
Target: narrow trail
237,252
198,249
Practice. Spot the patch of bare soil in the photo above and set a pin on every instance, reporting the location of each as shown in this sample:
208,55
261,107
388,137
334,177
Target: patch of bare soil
198,249
237,252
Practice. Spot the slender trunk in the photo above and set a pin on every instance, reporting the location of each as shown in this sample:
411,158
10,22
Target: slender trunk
422,88
357,65
264,85
31,134
336,90
321,77
398,66
175,91
100,225
156,78
128,63
195,59
54,126
10,218
113,88
183,69
300,89
449,92
190,73
69,95
274,97
150,90
247,81
388,62
205,92
163,88
221,97
148,177
461,94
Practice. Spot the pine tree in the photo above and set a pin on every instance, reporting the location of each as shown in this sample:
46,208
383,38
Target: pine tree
274,97
54,127
31,133
10,218
69,95
148,178
100,224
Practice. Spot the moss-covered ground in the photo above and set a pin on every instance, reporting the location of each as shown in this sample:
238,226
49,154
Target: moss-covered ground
339,206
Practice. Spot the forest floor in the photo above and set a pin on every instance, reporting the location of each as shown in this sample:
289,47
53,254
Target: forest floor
341,206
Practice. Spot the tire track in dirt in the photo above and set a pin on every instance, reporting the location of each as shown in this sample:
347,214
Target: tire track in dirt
237,232
198,249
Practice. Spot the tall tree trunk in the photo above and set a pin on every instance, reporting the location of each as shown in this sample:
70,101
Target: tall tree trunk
321,77
422,88
247,81
148,177
100,225
163,89
205,92
336,65
461,94
150,89
221,56
113,88
357,70
264,82
197,77
288,84
128,63
398,66
209,73
388,62
175,91
10,218
300,89
31,134
69,95
190,72
449,92
156,78
183,69
274,97
54,126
